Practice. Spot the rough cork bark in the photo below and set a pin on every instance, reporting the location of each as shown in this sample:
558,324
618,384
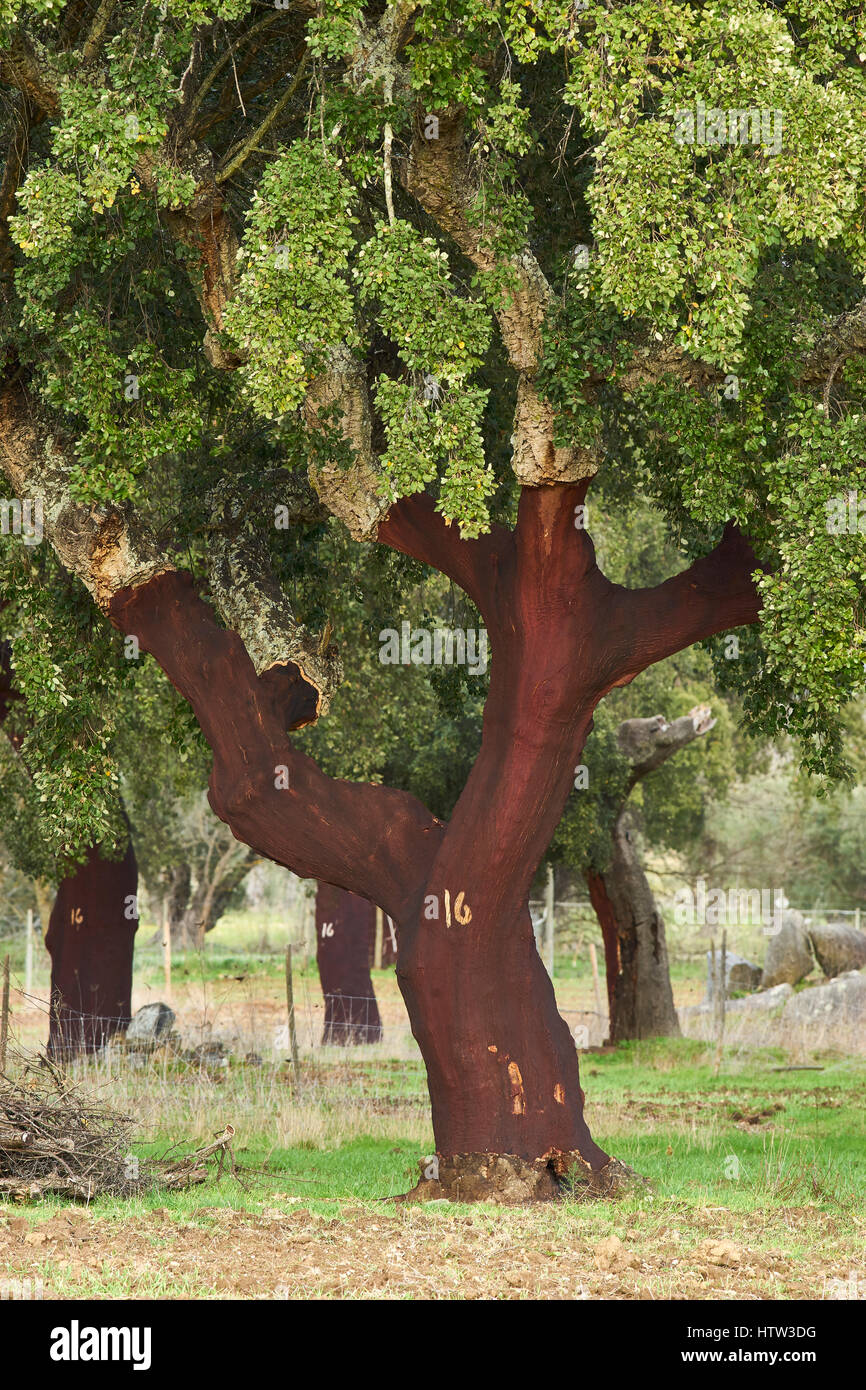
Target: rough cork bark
640,999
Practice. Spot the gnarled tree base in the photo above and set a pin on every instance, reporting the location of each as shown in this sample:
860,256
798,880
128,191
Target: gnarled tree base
511,1181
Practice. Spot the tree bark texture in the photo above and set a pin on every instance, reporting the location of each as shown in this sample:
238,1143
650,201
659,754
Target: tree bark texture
345,926
640,998
91,939
502,1065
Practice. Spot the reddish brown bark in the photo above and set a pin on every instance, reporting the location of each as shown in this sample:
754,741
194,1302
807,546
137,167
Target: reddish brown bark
360,837
90,939
345,926
502,1066
640,998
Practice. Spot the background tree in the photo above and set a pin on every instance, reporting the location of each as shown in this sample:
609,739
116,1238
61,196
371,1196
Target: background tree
90,932
613,810
773,830
345,925
444,232
91,938
640,998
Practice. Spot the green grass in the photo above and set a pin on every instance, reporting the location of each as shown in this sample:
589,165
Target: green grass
644,1099
795,1195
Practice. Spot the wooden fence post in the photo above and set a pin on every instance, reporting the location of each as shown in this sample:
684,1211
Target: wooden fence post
28,956
380,933
721,998
4,1016
290,1002
166,952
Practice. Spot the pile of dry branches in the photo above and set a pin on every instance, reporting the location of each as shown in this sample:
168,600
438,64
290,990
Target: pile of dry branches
53,1138
56,1139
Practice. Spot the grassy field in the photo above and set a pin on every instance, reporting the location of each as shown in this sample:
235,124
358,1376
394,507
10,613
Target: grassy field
758,1175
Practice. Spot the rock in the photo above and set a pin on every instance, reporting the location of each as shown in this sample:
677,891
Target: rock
611,1254
151,1024
838,948
740,974
761,1003
789,955
723,1253
842,1001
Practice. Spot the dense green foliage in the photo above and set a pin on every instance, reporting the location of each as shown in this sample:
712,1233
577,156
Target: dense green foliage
738,252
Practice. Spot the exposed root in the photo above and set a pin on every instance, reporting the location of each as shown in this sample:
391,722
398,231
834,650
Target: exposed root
508,1180
615,1179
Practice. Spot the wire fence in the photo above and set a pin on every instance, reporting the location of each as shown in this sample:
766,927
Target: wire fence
338,1049
232,1019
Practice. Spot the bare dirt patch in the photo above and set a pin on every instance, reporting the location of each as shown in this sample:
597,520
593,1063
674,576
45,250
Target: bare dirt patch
286,1251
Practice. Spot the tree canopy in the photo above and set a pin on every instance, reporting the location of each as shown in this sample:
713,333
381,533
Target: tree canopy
688,309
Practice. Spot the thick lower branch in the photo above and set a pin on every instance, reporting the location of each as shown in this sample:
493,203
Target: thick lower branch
371,840
714,594
414,526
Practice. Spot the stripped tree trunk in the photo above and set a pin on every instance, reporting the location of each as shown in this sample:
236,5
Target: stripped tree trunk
345,925
502,1066
640,999
90,938
639,994
90,935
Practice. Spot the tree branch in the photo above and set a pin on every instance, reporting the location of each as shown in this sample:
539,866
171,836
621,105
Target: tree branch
438,175
94,39
190,111
12,173
109,550
19,67
717,592
237,156
842,338
101,545
255,606
647,743
413,526
372,840
352,493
